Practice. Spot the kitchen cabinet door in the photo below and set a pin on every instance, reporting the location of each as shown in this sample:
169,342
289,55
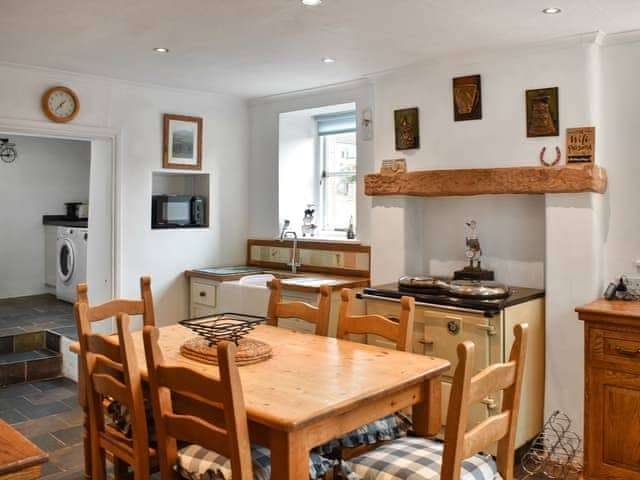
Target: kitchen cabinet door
613,409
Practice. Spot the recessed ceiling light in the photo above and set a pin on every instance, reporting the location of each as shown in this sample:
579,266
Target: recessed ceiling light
329,60
551,10
311,3
161,50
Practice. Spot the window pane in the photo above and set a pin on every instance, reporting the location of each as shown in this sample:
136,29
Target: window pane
339,186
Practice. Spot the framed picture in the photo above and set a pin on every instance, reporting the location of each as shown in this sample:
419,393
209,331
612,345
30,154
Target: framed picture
407,128
581,145
467,98
542,112
182,142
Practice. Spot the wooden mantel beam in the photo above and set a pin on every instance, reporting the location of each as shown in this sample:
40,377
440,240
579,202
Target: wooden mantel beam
486,181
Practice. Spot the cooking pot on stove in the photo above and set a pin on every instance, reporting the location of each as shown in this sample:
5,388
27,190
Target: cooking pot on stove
480,290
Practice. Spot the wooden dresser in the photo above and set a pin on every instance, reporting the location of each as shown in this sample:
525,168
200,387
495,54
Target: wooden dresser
612,389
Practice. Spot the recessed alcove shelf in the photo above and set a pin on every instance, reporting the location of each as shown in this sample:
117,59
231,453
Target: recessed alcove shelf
487,181
180,183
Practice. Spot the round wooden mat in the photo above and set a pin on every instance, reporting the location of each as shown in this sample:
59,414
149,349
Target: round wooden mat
248,351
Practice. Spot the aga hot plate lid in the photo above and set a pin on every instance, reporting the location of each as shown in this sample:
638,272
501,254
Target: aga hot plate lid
478,289
423,282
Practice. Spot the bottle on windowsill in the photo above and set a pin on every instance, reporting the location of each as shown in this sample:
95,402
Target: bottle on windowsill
350,233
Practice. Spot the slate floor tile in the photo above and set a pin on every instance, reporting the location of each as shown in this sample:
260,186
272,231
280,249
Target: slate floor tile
12,416
61,382
68,458
12,391
69,436
49,468
47,442
38,411
33,428
49,396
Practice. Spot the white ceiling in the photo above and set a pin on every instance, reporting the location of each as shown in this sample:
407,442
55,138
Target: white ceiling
260,47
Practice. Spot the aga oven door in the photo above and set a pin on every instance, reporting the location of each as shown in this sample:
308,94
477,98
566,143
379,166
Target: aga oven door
443,330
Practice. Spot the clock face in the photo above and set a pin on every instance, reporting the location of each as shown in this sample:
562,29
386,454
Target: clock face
60,104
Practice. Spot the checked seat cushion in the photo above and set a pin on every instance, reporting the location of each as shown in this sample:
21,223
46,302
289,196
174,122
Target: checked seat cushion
415,458
198,463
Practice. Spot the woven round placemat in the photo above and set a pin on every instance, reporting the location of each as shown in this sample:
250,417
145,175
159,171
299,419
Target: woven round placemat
248,351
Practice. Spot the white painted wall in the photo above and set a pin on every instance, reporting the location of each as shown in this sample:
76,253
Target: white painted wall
297,170
136,112
618,141
263,165
47,173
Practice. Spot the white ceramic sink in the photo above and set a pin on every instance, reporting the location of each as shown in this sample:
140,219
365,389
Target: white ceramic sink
309,281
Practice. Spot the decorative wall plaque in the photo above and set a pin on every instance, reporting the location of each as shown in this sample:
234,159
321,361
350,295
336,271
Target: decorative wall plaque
581,145
467,98
391,167
542,112
407,128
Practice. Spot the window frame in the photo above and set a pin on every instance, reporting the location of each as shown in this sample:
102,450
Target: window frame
323,175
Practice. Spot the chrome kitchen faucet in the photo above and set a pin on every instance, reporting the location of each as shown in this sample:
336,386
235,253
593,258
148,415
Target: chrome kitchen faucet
290,233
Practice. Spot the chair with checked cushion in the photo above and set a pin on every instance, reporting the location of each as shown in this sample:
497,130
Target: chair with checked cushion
209,415
319,315
423,459
86,316
112,373
397,330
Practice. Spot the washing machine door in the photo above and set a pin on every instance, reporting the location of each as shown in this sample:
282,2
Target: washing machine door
66,260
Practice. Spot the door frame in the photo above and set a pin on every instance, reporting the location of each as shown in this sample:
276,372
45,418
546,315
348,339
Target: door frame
90,134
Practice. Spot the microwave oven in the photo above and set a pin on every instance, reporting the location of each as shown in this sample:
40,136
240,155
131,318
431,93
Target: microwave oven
177,211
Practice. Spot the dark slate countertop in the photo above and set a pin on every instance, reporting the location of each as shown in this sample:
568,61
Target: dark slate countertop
64,221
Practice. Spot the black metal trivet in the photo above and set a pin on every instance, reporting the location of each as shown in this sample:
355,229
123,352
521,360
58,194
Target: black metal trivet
230,327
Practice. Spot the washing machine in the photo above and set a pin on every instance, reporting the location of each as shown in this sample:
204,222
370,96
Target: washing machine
71,259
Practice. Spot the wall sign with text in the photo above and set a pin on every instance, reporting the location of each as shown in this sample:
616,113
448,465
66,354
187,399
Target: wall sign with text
581,145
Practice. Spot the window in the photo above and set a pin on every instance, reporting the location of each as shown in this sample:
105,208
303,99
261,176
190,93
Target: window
317,169
337,161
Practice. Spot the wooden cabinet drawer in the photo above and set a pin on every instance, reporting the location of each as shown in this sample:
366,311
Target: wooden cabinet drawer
615,349
201,311
203,293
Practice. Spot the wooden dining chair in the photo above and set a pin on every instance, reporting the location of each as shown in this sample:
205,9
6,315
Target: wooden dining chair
211,446
86,316
399,331
459,458
113,375
317,315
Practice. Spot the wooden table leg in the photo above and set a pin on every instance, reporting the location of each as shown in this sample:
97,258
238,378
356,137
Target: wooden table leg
427,415
289,456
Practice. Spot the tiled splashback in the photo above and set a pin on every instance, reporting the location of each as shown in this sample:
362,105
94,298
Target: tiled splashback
313,256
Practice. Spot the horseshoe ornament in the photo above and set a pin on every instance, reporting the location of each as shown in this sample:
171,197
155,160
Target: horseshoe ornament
555,161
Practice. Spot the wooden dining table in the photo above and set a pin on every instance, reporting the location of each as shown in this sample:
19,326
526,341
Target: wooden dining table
316,388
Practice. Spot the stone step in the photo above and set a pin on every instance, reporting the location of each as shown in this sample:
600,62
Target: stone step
30,356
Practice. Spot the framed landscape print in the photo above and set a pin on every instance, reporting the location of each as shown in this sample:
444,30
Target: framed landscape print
467,98
542,112
182,142
407,128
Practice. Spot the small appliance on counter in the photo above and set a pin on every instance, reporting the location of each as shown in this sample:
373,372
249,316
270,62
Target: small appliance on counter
177,211
77,210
